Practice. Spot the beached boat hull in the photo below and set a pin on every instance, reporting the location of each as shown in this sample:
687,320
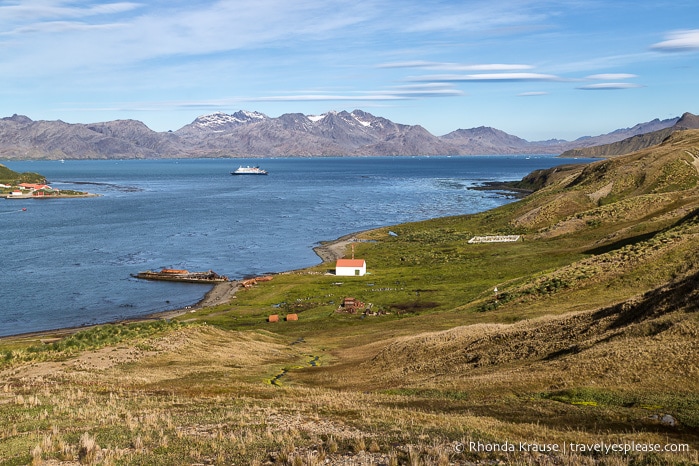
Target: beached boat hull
182,276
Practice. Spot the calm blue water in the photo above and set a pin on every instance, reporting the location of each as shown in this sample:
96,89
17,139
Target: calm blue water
67,262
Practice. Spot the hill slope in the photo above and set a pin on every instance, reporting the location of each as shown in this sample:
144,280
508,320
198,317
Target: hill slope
608,319
11,177
591,338
636,142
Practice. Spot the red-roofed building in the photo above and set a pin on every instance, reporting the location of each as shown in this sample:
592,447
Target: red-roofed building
350,267
36,187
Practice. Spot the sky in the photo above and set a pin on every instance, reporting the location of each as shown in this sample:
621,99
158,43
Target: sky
537,69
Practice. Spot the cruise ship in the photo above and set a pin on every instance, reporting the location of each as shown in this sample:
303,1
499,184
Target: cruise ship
249,171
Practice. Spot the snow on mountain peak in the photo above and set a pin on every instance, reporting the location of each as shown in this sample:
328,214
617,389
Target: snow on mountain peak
359,120
348,117
221,120
251,115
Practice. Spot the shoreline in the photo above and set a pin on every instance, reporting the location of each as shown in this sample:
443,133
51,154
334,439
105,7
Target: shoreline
330,251
503,187
220,293
10,197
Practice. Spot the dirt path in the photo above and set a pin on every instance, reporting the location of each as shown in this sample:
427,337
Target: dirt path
333,250
695,159
221,293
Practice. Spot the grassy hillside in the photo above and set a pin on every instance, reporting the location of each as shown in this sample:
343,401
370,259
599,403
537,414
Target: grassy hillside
635,143
625,146
592,338
11,177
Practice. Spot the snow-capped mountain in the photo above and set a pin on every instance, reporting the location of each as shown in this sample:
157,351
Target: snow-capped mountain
253,134
332,133
219,122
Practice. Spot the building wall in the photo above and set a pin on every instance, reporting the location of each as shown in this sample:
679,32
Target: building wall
350,271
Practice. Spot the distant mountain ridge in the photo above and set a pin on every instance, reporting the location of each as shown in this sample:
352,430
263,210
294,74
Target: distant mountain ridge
254,134
641,140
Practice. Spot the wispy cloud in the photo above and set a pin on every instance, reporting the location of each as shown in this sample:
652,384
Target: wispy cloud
425,90
57,9
611,76
400,93
410,92
480,16
166,56
603,62
148,31
609,86
487,77
456,66
62,27
679,41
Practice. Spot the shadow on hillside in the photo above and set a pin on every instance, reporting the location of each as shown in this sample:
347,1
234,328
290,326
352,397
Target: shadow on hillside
691,217
679,296
621,243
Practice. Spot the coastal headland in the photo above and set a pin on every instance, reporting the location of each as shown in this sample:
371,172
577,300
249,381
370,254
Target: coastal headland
578,345
14,185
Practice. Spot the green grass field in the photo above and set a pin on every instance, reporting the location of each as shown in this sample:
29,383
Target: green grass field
592,339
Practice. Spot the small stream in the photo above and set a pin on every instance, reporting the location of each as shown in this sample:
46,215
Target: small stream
314,361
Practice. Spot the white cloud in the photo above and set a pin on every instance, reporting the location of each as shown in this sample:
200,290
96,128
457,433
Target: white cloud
488,77
396,94
603,62
425,90
63,27
609,86
532,94
679,41
456,66
51,10
390,94
611,76
499,17
54,38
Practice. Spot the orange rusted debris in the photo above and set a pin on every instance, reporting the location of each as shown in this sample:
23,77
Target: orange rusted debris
350,305
175,271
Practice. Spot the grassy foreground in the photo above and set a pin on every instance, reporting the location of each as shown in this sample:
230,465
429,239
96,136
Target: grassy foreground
588,354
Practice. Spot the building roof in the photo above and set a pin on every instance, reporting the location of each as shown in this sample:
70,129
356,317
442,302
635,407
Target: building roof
34,186
350,263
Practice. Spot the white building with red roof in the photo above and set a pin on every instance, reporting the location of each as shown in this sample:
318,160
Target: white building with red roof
350,267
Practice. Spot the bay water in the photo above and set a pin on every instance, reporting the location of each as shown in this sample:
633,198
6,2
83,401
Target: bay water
68,262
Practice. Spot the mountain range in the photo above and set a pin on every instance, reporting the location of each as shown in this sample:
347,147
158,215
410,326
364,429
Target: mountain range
253,134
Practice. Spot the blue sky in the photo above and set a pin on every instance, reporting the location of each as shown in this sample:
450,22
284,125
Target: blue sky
534,68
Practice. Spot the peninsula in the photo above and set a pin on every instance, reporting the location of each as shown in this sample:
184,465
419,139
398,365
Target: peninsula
14,185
